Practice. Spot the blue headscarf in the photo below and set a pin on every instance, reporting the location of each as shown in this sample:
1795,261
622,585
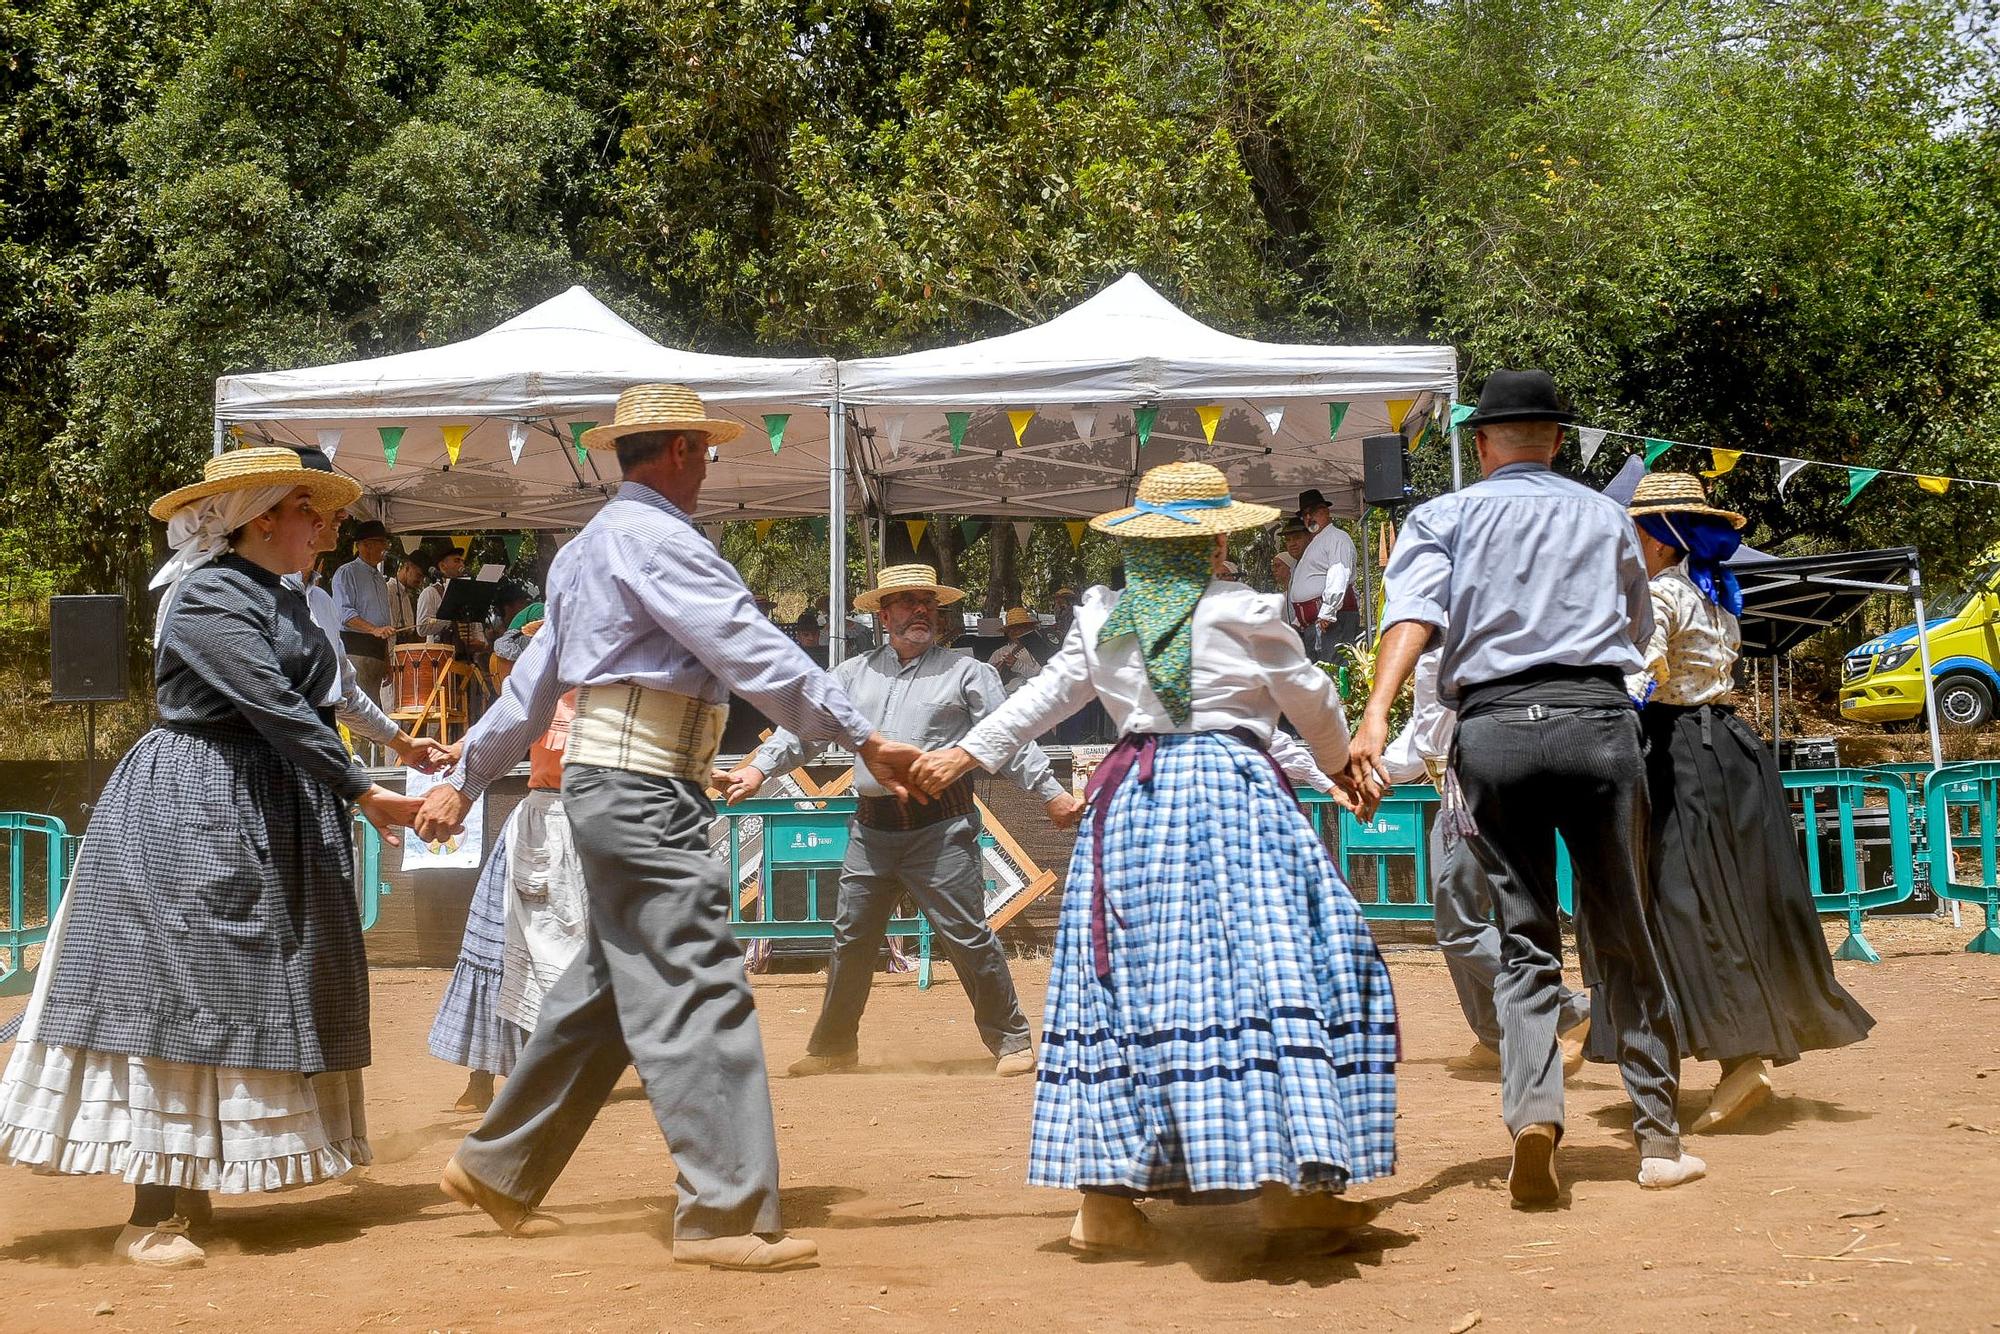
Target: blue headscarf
1707,542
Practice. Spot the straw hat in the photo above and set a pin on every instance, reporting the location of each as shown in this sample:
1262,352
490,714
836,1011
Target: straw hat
1183,500
1020,618
906,579
1677,493
241,469
660,407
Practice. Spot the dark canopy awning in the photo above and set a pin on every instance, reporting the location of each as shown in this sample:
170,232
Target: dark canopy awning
1787,600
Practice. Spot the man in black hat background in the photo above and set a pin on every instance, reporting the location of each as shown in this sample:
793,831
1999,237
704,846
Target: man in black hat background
363,603
1536,593
1322,587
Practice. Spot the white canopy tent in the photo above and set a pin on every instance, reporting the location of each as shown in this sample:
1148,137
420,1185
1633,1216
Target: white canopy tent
564,361
1087,372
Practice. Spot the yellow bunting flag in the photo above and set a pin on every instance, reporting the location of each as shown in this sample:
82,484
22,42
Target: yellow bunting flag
454,440
1020,417
1211,417
1399,408
915,528
763,527
1937,486
1076,527
1723,461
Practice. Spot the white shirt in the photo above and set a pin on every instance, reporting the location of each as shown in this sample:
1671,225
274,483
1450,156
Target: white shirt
428,624
1421,748
1325,571
1297,762
1249,667
1693,650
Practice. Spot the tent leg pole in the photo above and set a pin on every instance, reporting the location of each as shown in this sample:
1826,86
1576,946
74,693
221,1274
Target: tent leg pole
1930,686
1367,584
1777,713
836,532
1457,465
220,433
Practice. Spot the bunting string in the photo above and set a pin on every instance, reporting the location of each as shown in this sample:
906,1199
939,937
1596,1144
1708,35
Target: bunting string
1722,460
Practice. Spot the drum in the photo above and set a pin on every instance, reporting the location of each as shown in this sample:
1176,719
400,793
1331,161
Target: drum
418,668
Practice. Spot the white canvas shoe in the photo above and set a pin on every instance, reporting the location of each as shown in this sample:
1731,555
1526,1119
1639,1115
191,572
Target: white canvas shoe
164,1245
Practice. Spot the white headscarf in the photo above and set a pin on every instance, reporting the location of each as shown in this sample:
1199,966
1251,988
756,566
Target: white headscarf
199,533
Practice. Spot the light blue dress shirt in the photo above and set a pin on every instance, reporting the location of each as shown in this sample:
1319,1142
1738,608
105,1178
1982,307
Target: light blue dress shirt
360,590
639,597
1525,569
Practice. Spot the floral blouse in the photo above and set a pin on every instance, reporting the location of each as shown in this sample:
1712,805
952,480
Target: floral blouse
1694,646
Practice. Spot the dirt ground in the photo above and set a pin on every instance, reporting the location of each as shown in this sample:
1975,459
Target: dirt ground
1864,1196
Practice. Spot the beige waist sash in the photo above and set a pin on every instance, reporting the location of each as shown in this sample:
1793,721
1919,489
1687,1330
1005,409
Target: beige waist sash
644,731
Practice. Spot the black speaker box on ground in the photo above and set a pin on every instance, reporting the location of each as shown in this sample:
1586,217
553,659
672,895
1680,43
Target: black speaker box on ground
87,648
1385,470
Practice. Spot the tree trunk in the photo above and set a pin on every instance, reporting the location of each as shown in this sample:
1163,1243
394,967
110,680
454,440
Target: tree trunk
947,542
1003,590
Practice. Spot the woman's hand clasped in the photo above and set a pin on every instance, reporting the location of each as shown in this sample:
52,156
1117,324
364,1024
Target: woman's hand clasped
388,812
937,770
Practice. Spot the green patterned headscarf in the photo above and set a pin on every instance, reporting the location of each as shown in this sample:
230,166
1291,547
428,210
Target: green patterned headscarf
1164,578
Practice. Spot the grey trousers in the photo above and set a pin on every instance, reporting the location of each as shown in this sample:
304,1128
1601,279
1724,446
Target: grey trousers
1462,912
1577,771
939,868
659,985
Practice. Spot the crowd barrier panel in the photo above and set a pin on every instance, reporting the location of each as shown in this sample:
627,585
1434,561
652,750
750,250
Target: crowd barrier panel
1971,792
53,859
369,884
1849,790
1400,830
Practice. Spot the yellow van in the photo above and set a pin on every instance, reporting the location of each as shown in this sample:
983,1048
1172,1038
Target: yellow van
1883,680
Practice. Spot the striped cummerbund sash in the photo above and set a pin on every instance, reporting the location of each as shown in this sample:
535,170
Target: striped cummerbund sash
644,731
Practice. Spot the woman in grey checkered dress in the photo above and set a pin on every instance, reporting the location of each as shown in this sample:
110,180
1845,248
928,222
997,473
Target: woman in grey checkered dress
1219,1025
201,1016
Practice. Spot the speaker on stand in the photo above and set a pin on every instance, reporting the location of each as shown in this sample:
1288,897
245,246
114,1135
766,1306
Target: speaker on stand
87,665
1385,471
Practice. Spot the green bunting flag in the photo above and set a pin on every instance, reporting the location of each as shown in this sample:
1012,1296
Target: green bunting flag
512,541
1460,411
1858,478
1655,448
818,526
957,422
576,430
971,530
1336,413
1142,422
774,427
392,440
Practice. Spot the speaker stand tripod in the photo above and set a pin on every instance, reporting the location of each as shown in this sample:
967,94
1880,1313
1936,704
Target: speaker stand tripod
89,758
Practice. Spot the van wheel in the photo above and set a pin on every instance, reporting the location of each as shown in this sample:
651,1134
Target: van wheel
1964,701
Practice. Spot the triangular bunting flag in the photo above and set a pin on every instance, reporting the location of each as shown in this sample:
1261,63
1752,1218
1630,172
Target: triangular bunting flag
971,530
819,525
1655,448
1399,408
1274,417
454,440
1336,413
329,441
1723,460
1085,421
1210,415
957,422
1858,478
1076,527
576,430
895,425
392,440
512,541
1589,439
517,436
1460,411
774,428
763,527
1787,470
1019,418
915,528
411,541
1142,425
1023,530
1937,486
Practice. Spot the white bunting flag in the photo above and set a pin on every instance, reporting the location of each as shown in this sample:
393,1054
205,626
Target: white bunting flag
411,541
1590,439
1274,417
329,441
895,425
1023,530
1085,421
517,436
1787,470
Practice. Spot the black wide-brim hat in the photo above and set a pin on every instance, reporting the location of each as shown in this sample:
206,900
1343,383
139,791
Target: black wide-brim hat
371,528
1520,396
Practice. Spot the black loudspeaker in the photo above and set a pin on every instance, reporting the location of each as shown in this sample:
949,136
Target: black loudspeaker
1385,470
87,648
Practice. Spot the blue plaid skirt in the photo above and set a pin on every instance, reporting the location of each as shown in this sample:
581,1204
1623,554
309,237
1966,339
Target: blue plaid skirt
468,1030
1248,1031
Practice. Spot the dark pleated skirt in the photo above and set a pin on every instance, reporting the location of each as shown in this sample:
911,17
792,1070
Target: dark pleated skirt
1732,915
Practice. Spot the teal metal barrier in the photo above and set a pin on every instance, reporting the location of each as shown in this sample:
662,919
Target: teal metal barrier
1844,792
1398,831
808,836
52,863
369,886
1962,809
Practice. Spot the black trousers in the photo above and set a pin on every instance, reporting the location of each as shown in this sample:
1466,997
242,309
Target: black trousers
1531,771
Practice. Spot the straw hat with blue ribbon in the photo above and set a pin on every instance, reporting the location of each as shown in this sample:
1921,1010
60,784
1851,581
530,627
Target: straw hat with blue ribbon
1183,500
